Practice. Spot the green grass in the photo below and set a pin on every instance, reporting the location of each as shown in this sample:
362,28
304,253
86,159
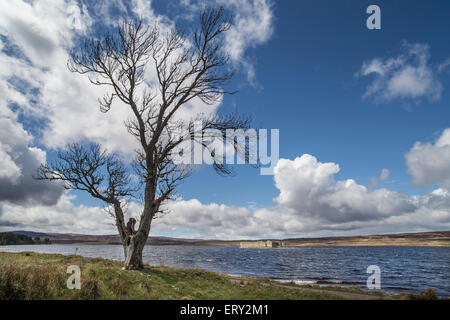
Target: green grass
29,275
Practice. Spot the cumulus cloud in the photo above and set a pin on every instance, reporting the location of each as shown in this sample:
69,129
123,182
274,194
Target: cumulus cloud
35,78
37,88
36,38
428,163
253,25
39,28
312,203
63,216
308,186
19,163
408,76
35,85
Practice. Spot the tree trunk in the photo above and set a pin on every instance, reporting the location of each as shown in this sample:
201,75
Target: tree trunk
133,253
134,243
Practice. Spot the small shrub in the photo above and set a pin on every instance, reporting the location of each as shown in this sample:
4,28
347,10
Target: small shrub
430,294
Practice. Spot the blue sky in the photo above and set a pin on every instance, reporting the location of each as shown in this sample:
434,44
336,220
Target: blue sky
338,92
308,89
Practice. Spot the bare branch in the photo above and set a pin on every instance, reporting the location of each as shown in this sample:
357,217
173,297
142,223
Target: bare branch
185,71
87,168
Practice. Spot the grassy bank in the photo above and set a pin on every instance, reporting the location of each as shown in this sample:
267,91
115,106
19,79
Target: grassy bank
29,275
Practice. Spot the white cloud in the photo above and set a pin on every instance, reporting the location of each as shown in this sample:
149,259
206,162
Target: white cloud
311,203
39,28
34,75
63,216
428,163
444,65
307,186
19,163
407,76
253,25
384,174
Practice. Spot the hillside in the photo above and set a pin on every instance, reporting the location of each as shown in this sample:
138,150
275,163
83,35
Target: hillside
10,238
438,238
99,239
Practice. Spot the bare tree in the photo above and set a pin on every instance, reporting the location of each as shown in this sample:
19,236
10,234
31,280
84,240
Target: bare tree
185,71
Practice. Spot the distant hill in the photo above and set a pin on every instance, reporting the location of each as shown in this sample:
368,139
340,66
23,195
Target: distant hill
109,239
438,238
9,238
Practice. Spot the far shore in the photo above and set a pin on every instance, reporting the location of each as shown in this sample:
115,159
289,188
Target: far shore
419,239
430,239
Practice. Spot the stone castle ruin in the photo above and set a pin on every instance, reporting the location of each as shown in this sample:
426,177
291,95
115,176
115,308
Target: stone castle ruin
263,244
